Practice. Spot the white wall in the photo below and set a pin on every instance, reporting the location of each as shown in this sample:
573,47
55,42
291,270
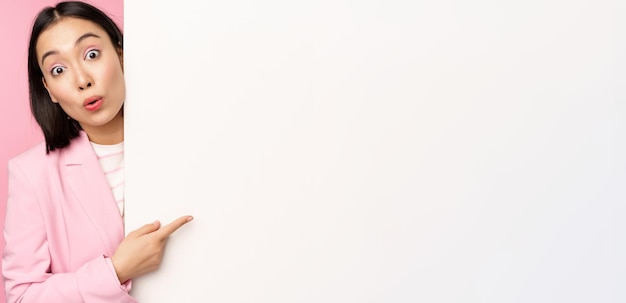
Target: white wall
380,151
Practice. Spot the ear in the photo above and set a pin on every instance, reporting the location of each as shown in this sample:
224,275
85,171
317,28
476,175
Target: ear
46,86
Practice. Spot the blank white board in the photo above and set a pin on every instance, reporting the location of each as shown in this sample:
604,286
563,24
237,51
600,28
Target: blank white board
379,151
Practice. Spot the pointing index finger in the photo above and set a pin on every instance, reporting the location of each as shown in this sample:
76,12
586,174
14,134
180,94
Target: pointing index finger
168,229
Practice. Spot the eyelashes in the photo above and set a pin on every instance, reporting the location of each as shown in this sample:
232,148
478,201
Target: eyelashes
91,54
57,70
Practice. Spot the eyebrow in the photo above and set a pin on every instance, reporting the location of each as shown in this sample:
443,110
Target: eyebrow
81,38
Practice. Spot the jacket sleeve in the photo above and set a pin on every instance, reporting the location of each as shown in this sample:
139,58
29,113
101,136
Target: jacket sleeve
26,261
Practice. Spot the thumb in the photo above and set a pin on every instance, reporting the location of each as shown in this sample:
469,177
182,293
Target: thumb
146,229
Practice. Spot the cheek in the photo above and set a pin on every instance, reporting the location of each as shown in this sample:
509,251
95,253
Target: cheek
58,91
115,80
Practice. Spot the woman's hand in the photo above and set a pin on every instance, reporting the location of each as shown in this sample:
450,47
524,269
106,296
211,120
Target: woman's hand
141,251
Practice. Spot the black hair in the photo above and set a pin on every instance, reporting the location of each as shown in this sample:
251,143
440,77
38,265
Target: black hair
58,128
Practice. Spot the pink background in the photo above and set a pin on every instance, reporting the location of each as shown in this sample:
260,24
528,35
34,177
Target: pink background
18,130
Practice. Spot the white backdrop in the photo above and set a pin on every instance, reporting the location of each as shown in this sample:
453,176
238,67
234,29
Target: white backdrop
380,151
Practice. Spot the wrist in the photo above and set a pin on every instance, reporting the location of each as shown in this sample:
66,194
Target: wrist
121,274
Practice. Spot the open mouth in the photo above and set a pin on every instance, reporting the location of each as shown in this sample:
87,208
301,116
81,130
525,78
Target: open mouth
93,103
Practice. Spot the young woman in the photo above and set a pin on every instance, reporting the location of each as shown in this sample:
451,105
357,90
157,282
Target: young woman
64,223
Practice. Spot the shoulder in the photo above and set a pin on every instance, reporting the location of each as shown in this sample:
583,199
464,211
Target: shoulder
36,160
29,170
35,155
33,164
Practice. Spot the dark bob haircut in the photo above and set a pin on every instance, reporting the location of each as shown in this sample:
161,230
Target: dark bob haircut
57,127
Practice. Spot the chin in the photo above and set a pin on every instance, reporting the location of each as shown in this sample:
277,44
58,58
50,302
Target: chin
97,122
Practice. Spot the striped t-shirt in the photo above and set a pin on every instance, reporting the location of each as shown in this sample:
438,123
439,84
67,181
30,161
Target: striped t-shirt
111,158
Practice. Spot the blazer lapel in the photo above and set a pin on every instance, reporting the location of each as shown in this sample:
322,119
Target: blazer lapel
89,185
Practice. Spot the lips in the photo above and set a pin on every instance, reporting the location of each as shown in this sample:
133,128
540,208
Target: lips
93,103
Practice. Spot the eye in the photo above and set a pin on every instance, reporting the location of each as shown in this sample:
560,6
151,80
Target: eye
57,70
92,54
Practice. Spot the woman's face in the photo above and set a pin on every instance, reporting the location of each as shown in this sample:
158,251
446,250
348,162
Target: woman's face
82,71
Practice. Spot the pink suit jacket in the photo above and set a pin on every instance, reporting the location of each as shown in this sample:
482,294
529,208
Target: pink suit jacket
62,225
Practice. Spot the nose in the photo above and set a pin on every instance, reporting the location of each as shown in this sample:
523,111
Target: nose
83,86
83,79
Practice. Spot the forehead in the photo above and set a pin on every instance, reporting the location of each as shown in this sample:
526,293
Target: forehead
63,34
